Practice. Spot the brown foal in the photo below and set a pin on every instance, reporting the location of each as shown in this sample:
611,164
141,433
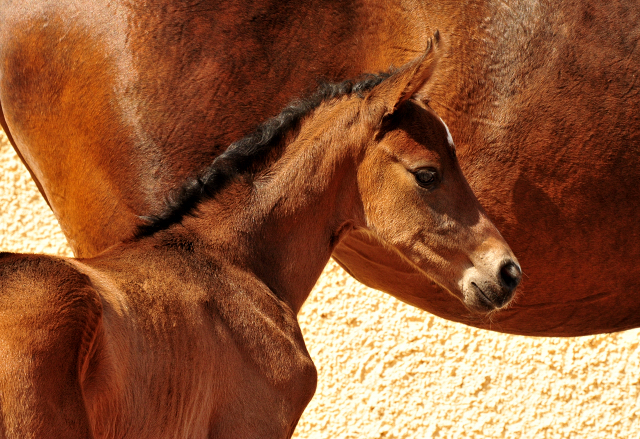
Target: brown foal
190,330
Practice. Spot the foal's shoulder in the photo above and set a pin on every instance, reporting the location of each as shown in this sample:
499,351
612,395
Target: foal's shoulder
33,274
48,286
49,316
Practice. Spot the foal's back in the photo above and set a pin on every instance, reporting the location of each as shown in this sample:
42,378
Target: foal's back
134,343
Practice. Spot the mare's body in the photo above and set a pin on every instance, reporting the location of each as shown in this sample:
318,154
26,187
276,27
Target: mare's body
190,329
112,104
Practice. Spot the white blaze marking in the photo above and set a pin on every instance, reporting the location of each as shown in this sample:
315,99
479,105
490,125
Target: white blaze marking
449,138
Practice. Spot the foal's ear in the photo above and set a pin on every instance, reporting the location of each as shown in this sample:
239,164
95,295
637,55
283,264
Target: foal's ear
406,82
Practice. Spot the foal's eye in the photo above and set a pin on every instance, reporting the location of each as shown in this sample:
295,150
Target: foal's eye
426,177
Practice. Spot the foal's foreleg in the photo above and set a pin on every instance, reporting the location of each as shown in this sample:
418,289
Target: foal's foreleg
48,313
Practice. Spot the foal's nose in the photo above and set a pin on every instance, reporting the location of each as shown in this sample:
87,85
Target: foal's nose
510,275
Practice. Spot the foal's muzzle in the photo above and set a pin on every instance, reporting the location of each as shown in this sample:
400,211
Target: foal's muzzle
484,291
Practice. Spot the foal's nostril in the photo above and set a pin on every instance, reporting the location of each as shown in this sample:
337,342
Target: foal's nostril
510,274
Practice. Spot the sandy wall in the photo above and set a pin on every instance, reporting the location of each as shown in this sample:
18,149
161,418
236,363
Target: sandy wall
387,370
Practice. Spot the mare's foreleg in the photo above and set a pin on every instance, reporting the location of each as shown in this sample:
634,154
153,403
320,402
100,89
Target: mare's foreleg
48,317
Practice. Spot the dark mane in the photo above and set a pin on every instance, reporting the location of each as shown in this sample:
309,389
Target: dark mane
242,155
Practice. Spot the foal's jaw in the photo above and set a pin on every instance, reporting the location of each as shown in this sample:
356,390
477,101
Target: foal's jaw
475,264
484,277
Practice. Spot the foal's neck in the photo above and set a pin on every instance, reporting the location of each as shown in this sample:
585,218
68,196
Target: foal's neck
283,224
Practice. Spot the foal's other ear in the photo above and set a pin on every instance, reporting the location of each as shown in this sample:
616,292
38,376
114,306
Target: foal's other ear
406,82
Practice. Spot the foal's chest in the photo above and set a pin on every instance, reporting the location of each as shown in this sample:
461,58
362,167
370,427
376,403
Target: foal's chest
226,365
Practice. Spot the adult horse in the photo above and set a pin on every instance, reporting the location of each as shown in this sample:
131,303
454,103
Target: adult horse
190,329
112,104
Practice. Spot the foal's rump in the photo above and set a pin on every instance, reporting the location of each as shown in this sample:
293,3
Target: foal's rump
49,315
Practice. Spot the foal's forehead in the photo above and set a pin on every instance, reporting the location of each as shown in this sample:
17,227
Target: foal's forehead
436,121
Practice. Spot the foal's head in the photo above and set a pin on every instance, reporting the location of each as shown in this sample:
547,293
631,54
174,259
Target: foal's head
416,200
409,189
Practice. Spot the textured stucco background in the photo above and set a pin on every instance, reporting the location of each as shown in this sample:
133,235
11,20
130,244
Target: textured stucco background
387,370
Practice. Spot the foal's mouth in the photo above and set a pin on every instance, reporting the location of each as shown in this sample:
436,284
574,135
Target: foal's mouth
482,302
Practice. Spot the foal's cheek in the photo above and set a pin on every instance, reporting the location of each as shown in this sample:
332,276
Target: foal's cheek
394,203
